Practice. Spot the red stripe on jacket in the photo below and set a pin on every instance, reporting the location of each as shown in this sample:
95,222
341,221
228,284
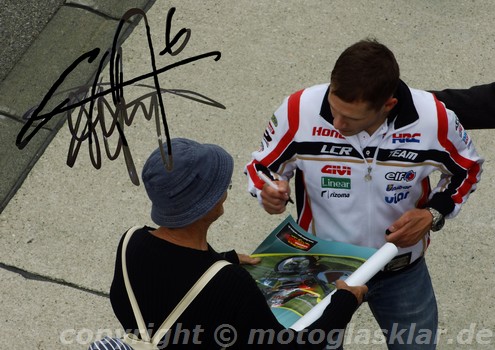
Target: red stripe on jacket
472,167
293,117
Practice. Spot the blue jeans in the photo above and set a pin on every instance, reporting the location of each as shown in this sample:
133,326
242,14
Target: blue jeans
405,307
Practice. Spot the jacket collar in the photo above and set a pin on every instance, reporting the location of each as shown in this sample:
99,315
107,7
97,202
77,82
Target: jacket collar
404,112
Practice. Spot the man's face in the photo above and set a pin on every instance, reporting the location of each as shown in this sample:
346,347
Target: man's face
352,118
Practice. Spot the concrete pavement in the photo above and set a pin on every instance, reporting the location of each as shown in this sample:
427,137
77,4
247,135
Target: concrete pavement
60,229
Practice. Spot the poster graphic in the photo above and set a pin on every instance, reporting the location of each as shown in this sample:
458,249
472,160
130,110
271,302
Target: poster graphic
298,270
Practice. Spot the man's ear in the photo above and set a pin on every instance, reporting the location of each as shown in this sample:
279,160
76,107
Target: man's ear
390,103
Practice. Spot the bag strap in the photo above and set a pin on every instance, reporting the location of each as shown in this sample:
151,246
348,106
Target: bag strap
135,307
179,309
187,299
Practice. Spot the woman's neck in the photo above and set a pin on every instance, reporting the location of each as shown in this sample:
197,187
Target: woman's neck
192,236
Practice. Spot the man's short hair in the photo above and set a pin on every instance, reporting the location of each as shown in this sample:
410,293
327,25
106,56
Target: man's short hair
366,71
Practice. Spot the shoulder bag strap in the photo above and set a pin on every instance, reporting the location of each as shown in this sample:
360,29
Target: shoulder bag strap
135,307
187,299
179,309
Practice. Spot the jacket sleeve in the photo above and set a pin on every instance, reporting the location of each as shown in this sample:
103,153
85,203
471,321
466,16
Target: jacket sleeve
276,155
475,106
462,165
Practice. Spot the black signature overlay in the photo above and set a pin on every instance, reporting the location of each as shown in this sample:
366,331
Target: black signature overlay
86,124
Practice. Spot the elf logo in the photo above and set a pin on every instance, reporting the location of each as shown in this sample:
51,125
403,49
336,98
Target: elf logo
320,131
336,170
406,138
399,176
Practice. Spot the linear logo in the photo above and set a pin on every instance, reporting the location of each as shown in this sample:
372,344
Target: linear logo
335,182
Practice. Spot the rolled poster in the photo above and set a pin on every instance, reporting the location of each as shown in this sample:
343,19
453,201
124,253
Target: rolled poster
358,278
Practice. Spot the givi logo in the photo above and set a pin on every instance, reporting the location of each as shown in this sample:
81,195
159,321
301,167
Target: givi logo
336,170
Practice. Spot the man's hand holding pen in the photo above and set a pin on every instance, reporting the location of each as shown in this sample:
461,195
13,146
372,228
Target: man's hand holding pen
274,195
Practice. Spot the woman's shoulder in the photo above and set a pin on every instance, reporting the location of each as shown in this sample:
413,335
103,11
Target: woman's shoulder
238,276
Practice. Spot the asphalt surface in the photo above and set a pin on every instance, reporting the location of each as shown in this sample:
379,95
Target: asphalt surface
60,225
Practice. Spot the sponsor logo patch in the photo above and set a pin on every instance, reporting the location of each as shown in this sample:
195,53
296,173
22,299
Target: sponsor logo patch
271,129
274,120
267,137
400,176
337,150
262,147
329,194
396,198
406,138
335,182
391,187
336,170
462,132
321,131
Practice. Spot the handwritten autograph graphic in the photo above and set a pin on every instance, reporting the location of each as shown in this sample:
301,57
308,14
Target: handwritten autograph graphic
86,123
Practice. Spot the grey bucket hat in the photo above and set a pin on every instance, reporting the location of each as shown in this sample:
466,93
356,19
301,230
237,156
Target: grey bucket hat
200,176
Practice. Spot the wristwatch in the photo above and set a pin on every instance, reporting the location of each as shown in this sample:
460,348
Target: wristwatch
438,219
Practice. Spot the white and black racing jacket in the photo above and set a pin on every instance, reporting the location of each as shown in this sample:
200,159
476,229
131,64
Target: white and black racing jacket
350,189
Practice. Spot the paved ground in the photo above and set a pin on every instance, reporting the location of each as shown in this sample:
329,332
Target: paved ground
59,230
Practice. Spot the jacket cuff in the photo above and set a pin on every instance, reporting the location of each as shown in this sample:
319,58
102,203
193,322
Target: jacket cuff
441,202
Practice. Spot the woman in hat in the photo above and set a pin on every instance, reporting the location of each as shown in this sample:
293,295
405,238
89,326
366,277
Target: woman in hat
164,262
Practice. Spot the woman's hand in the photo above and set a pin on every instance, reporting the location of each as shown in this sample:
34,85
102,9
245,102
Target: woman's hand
358,292
245,259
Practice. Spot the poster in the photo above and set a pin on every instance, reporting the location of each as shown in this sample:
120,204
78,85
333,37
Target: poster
298,270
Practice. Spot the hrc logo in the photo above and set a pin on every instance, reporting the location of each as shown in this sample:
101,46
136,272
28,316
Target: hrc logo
406,138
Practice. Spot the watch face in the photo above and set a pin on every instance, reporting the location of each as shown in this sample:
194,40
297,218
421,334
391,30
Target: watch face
438,220
436,226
